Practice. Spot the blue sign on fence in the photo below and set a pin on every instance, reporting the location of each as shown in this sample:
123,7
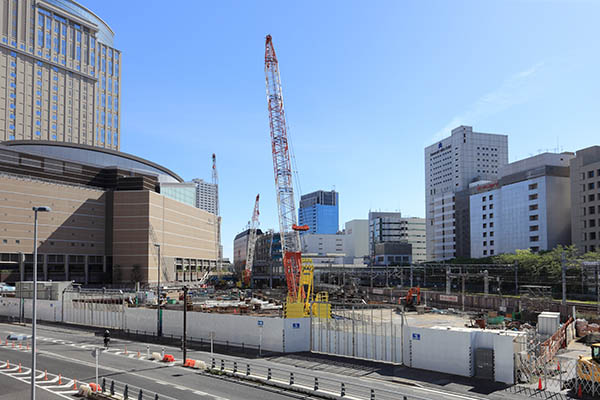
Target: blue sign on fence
416,336
260,323
296,325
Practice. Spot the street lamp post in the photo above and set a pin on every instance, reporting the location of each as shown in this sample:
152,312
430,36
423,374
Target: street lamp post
34,309
158,319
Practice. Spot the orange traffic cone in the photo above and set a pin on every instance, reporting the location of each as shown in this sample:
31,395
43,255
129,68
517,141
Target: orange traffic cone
75,384
20,345
20,368
579,392
13,345
125,350
138,354
540,384
59,379
7,364
27,346
45,375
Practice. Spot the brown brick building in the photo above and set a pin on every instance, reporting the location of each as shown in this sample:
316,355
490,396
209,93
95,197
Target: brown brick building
107,218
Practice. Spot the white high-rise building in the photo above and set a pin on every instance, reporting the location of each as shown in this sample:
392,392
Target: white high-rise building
450,166
206,195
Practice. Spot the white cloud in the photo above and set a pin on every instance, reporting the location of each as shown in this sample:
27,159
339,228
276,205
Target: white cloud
514,90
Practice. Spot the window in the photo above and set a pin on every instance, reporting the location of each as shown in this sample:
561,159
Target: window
483,198
485,243
592,223
491,215
491,242
533,207
533,228
485,252
533,186
533,196
491,224
492,233
491,197
492,252
484,234
590,174
483,207
592,235
534,238
591,197
591,210
591,185
484,216
491,206
533,217
484,226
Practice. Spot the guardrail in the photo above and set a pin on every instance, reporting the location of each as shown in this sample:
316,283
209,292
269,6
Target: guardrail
309,384
126,391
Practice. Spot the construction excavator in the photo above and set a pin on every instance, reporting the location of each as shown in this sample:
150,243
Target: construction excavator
412,299
588,371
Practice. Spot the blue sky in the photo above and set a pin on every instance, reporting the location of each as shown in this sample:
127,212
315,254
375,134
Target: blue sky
367,85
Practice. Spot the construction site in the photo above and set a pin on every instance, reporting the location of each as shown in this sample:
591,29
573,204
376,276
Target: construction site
472,320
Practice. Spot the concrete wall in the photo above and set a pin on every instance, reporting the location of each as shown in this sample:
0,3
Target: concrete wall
47,310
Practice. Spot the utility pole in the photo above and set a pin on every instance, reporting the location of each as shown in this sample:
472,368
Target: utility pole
34,304
184,336
158,315
564,278
516,278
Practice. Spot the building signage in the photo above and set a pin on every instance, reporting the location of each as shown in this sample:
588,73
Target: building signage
416,336
488,186
441,149
451,299
296,325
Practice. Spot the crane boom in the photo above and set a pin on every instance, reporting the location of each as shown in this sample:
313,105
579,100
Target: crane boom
215,181
290,239
251,242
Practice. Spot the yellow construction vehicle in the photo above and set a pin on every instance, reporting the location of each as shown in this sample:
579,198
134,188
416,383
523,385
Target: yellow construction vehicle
301,306
588,371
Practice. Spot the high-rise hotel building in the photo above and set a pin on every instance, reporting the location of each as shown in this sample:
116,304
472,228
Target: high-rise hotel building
450,165
59,74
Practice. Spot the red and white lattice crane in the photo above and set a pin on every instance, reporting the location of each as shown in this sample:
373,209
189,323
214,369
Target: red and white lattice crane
288,228
251,243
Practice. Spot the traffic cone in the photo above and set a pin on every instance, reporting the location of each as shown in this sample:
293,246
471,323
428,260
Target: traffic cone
20,345
45,375
138,354
579,392
75,384
13,345
59,379
7,364
20,368
540,384
28,346
125,350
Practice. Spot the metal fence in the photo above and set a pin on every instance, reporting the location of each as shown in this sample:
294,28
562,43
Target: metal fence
372,332
95,307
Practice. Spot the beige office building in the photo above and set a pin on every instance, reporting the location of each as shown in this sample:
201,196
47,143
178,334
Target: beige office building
59,74
585,199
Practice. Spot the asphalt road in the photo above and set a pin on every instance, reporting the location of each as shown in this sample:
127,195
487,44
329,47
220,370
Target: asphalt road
68,352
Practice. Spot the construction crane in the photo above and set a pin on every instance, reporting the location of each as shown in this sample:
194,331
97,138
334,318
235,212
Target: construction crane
215,182
298,272
251,243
